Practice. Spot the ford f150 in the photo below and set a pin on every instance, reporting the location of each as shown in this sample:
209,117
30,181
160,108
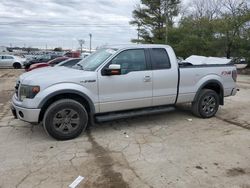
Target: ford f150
119,82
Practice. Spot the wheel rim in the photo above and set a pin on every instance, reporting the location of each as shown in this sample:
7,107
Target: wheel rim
209,104
66,121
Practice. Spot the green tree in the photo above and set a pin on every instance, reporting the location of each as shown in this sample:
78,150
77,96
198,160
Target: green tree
193,37
152,17
233,29
223,31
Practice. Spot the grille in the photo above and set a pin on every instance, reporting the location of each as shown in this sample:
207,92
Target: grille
16,88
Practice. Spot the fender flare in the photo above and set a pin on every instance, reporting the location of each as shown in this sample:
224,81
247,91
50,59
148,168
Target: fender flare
213,81
68,91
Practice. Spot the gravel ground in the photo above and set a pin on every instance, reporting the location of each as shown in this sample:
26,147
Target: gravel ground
169,150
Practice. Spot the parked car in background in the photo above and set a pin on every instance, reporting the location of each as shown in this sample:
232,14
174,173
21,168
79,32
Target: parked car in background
39,59
27,64
240,63
8,61
73,54
69,62
49,63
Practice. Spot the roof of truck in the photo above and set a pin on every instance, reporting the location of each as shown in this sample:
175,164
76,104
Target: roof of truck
123,46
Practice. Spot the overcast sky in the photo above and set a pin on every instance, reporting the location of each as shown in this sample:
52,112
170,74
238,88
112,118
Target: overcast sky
62,22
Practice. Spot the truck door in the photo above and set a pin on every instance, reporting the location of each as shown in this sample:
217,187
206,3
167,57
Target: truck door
165,77
132,89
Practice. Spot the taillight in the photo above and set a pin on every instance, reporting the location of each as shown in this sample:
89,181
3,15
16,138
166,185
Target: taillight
234,75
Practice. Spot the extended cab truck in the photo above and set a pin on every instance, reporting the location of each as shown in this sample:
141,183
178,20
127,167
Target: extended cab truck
119,82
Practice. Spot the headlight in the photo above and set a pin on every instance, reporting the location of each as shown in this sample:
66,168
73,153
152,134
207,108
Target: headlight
29,92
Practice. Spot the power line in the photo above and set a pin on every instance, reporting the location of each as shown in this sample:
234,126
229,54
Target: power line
63,25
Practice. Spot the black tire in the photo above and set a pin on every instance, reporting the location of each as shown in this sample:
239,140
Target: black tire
63,115
27,66
207,104
17,65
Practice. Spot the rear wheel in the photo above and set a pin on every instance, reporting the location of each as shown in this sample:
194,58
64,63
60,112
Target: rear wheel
65,119
207,104
17,66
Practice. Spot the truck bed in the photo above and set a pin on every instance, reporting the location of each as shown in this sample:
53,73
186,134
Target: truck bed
192,77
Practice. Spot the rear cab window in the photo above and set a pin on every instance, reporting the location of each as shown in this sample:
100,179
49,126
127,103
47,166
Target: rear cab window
160,59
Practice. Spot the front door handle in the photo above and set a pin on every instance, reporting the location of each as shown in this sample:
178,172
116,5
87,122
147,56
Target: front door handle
147,79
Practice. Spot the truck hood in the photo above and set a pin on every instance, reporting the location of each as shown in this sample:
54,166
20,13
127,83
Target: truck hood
48,76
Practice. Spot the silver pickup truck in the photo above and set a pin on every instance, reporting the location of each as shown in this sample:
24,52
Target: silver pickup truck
119,82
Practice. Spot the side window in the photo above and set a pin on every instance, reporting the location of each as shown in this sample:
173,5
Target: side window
7,57
131,60
160,59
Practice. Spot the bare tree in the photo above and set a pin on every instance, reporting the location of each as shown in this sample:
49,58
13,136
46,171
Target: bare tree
232,6
210,9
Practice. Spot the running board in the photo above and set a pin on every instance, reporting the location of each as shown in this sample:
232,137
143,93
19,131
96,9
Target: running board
133,113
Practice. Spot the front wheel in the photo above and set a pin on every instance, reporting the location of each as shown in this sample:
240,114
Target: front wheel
65,119
17,66
207,104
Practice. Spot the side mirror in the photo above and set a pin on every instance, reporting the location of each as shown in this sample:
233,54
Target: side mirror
113,69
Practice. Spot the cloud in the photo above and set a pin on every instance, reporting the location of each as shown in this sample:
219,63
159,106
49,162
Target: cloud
61,22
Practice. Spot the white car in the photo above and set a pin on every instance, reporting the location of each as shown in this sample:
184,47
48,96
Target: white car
11,61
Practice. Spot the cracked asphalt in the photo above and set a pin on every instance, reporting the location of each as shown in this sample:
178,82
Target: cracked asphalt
168,150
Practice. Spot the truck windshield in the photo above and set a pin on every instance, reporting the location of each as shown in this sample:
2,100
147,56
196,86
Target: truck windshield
92,62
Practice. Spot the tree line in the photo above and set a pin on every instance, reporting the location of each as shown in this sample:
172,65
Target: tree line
202,27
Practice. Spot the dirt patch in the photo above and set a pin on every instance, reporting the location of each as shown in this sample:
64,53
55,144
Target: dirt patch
234,122
236,172
5,96
245,71
199,167
7,75
245,186
109,178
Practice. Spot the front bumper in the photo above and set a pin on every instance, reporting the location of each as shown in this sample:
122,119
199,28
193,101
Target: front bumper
25,114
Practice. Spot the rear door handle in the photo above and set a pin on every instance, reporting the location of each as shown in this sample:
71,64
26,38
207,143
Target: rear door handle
147,79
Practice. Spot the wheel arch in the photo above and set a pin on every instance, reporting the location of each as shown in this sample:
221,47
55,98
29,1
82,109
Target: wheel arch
214,85
66,94
16,63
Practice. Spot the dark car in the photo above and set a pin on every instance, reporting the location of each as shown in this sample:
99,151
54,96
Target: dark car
34,61
39,60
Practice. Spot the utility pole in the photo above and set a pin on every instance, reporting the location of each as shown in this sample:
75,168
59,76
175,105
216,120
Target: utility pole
81,42
90,42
